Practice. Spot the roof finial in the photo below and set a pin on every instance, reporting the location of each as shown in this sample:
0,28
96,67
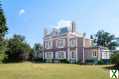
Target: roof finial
45,32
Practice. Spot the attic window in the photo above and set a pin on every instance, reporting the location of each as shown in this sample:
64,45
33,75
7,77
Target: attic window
63,30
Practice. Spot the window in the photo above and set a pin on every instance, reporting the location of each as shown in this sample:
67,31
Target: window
73,42
48,44
60,43
63,30
60,55
94,53
73,54
49,55
105,54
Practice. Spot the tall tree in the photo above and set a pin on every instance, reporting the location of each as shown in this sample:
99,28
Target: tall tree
105,39
3,24
3,30
37,51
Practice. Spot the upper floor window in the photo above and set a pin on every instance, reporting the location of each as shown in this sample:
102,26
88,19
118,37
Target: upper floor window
48,44
72,42
60,43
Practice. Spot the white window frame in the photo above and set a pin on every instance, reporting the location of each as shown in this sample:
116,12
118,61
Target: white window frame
74,51
48,53
94,54
48,44
58,43
58,53
105,54
73,42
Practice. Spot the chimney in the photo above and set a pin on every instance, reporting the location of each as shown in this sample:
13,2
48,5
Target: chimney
73,27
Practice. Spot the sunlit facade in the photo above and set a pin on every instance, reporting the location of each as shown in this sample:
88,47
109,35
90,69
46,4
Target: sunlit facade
65,43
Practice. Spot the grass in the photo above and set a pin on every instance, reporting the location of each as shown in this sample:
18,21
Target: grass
52,71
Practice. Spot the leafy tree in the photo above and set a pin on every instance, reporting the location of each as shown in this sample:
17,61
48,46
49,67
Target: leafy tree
105,39
3,30
2,53
37,52
18,49
3,24
115,59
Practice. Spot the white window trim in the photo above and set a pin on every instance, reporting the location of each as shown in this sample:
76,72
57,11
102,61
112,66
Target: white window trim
63,44
48,57
57,53
49,46
105,55
71,54
46,44
94,54
73,42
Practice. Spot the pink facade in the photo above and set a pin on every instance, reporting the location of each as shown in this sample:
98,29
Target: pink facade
66,43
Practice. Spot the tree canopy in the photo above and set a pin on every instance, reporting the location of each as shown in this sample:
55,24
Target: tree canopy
18,49
3,23
3,30
105,39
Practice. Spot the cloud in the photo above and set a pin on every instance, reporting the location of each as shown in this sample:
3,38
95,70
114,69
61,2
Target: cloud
21,12
116,34
63,23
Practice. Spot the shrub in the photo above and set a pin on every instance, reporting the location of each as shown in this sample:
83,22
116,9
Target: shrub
78,62
115,58
100,62
91,61
64,61
38,60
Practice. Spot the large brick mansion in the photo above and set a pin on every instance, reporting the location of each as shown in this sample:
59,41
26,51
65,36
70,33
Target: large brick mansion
66,43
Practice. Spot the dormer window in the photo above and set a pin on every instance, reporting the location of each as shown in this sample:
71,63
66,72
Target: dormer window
63,30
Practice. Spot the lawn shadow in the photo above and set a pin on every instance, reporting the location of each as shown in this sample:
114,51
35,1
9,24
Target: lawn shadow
115,67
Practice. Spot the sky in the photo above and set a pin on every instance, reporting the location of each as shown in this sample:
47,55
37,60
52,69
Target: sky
30,17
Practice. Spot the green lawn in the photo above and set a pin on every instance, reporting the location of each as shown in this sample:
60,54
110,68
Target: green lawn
52,71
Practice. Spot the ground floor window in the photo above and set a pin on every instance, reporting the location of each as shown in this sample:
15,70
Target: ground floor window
73,54
60,55
94,53
48,55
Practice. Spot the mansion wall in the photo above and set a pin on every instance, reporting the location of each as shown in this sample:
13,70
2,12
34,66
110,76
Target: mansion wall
67,43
